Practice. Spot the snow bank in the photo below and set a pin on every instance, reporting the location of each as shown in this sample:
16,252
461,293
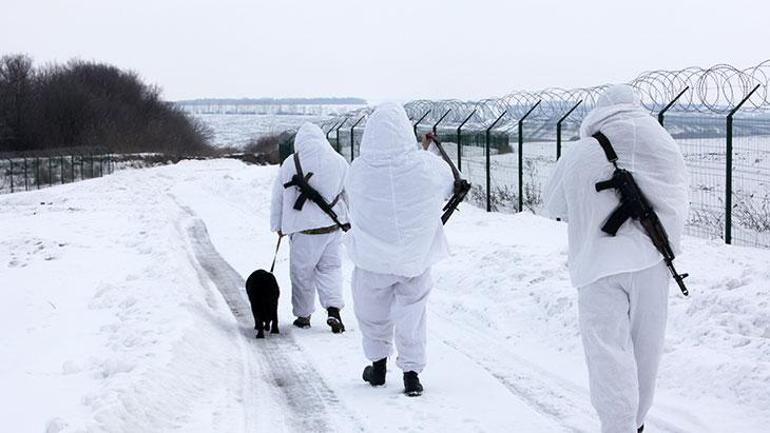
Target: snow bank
105,325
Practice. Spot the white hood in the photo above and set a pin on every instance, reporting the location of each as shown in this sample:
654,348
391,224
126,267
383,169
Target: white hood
396,193
651,155
388,134
310,139
329,171
620,99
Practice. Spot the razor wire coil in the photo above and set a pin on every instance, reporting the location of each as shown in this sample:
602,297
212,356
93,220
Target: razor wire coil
713,90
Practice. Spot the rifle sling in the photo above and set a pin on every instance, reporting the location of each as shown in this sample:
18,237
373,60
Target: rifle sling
604,142
621,214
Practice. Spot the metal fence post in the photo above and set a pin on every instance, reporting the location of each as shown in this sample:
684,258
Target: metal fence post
50,172
459,140
435,125
72,168
26,179
337,132
662,113
10,171
352,138
558,128
521,154
330,131
729,169
37,172
414,127
488,161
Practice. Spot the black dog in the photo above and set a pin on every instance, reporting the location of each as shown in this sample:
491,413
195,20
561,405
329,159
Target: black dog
263,292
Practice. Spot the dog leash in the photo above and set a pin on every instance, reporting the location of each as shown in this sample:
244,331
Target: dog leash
275,256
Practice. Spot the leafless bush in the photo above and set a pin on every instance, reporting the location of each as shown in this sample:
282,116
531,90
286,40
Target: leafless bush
533,196
504,148
501,198
752,211
711,222
268,145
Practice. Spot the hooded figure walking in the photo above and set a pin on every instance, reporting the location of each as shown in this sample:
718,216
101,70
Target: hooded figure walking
396,193
315,258
622,280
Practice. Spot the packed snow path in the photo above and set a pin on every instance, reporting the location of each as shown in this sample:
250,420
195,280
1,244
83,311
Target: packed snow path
311,405
123,310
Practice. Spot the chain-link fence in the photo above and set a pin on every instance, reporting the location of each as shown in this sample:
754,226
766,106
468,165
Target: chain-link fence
701,139
35,170
751,181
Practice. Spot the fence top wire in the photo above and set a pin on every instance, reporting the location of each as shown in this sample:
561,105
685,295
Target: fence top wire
714,90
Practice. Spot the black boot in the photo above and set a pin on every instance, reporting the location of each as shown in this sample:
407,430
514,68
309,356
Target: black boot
412,385
302,322
640,429
335,321
375,373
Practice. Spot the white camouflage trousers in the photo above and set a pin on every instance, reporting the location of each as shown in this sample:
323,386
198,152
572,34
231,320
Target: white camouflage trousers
622,325
384,303
315,263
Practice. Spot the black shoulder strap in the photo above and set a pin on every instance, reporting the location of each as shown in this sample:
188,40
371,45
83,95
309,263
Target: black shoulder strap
609,152
297,165
297,180
336,199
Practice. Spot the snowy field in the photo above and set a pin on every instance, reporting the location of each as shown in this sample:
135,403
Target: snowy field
123,311
237,129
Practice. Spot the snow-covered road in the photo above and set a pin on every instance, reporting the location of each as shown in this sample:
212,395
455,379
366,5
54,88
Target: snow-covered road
123,311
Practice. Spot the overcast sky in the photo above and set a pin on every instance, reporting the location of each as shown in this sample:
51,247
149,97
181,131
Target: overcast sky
389,49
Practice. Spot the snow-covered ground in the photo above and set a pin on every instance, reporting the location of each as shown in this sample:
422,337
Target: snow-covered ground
123,311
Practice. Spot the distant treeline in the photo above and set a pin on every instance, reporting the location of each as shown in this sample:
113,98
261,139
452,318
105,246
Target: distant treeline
88,104
274,101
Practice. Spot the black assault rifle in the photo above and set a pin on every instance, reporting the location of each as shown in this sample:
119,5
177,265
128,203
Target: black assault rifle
307,192
461,186
633,204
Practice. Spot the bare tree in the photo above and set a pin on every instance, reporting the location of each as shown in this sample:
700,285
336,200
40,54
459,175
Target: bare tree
16,75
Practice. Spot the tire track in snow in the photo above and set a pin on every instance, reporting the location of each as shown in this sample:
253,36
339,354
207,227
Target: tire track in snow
547,393
514,374
311,405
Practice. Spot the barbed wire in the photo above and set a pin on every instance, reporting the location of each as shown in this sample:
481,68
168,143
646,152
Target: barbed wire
713,90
